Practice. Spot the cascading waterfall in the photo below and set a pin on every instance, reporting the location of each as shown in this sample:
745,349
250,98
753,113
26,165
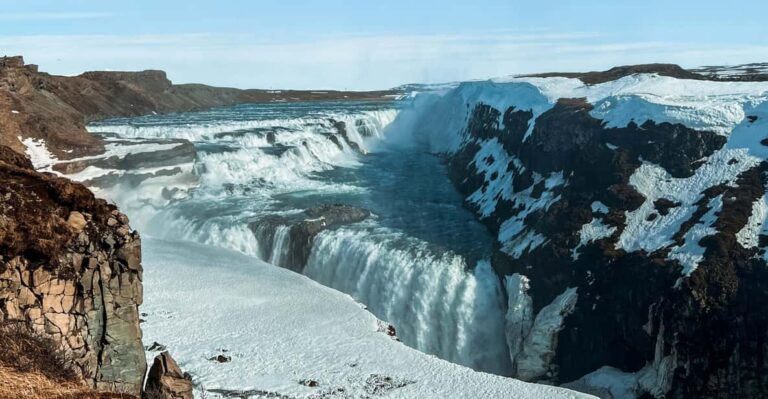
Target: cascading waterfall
257,165
435,304
279,245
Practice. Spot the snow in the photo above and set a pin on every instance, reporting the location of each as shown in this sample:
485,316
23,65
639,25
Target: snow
280,327
716,106
654,182
13,111
592,231
748,235
599,207
691,253
38,153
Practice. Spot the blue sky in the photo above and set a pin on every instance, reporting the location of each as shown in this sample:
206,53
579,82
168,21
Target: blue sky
347,44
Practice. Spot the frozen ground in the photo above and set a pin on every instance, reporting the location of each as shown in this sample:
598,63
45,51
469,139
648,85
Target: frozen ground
280,328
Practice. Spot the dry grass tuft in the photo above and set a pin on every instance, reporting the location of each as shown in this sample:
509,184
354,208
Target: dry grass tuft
32,366
16,384
23,350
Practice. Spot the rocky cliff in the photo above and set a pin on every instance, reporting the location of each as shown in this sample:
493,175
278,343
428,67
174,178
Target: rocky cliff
70,267
629,210
36,105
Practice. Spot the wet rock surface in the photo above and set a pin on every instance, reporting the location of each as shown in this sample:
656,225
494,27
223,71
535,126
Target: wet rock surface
183,152
302,229
71,269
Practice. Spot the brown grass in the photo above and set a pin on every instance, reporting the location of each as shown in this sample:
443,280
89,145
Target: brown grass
15,384
32,366
23,350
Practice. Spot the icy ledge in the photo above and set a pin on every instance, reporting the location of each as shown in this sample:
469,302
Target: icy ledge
280,328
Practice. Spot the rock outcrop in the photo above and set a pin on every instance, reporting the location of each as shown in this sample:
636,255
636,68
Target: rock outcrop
288,240
166,380
70,267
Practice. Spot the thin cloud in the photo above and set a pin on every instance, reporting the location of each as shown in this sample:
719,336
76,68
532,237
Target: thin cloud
358,61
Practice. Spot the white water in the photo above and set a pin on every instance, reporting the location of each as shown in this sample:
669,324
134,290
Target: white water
433,301
280,245
438,302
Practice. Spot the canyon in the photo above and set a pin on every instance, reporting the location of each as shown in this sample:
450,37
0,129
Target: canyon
624,213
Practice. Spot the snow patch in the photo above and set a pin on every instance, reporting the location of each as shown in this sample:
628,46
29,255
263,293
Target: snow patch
599,207
38,153
653,182
590,232
748,236
691,253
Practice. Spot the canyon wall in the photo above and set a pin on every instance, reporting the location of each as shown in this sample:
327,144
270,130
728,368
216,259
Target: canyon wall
630,225
70,267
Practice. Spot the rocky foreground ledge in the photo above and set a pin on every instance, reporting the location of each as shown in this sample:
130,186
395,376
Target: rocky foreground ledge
70,267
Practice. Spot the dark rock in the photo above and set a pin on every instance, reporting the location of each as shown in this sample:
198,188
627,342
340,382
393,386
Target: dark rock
391,331
707,324
336,141
752,118
663,205
377,384
184,152
309,383
341,128
321,217
271,138
220,359
364,128
671,70
156,347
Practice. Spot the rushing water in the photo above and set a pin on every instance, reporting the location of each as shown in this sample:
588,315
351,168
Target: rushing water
419,262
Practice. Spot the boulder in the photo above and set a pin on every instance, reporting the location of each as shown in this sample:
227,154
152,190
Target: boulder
167,381
76,221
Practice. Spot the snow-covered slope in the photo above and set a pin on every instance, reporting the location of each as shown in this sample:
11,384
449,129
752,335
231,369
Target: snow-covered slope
281,330
640,197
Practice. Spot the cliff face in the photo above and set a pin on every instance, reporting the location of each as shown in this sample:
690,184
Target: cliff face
55,108
70,266
630,224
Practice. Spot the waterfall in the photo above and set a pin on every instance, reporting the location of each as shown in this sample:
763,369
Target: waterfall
434,302
279,244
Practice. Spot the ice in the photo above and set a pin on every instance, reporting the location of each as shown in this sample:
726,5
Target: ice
280,327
